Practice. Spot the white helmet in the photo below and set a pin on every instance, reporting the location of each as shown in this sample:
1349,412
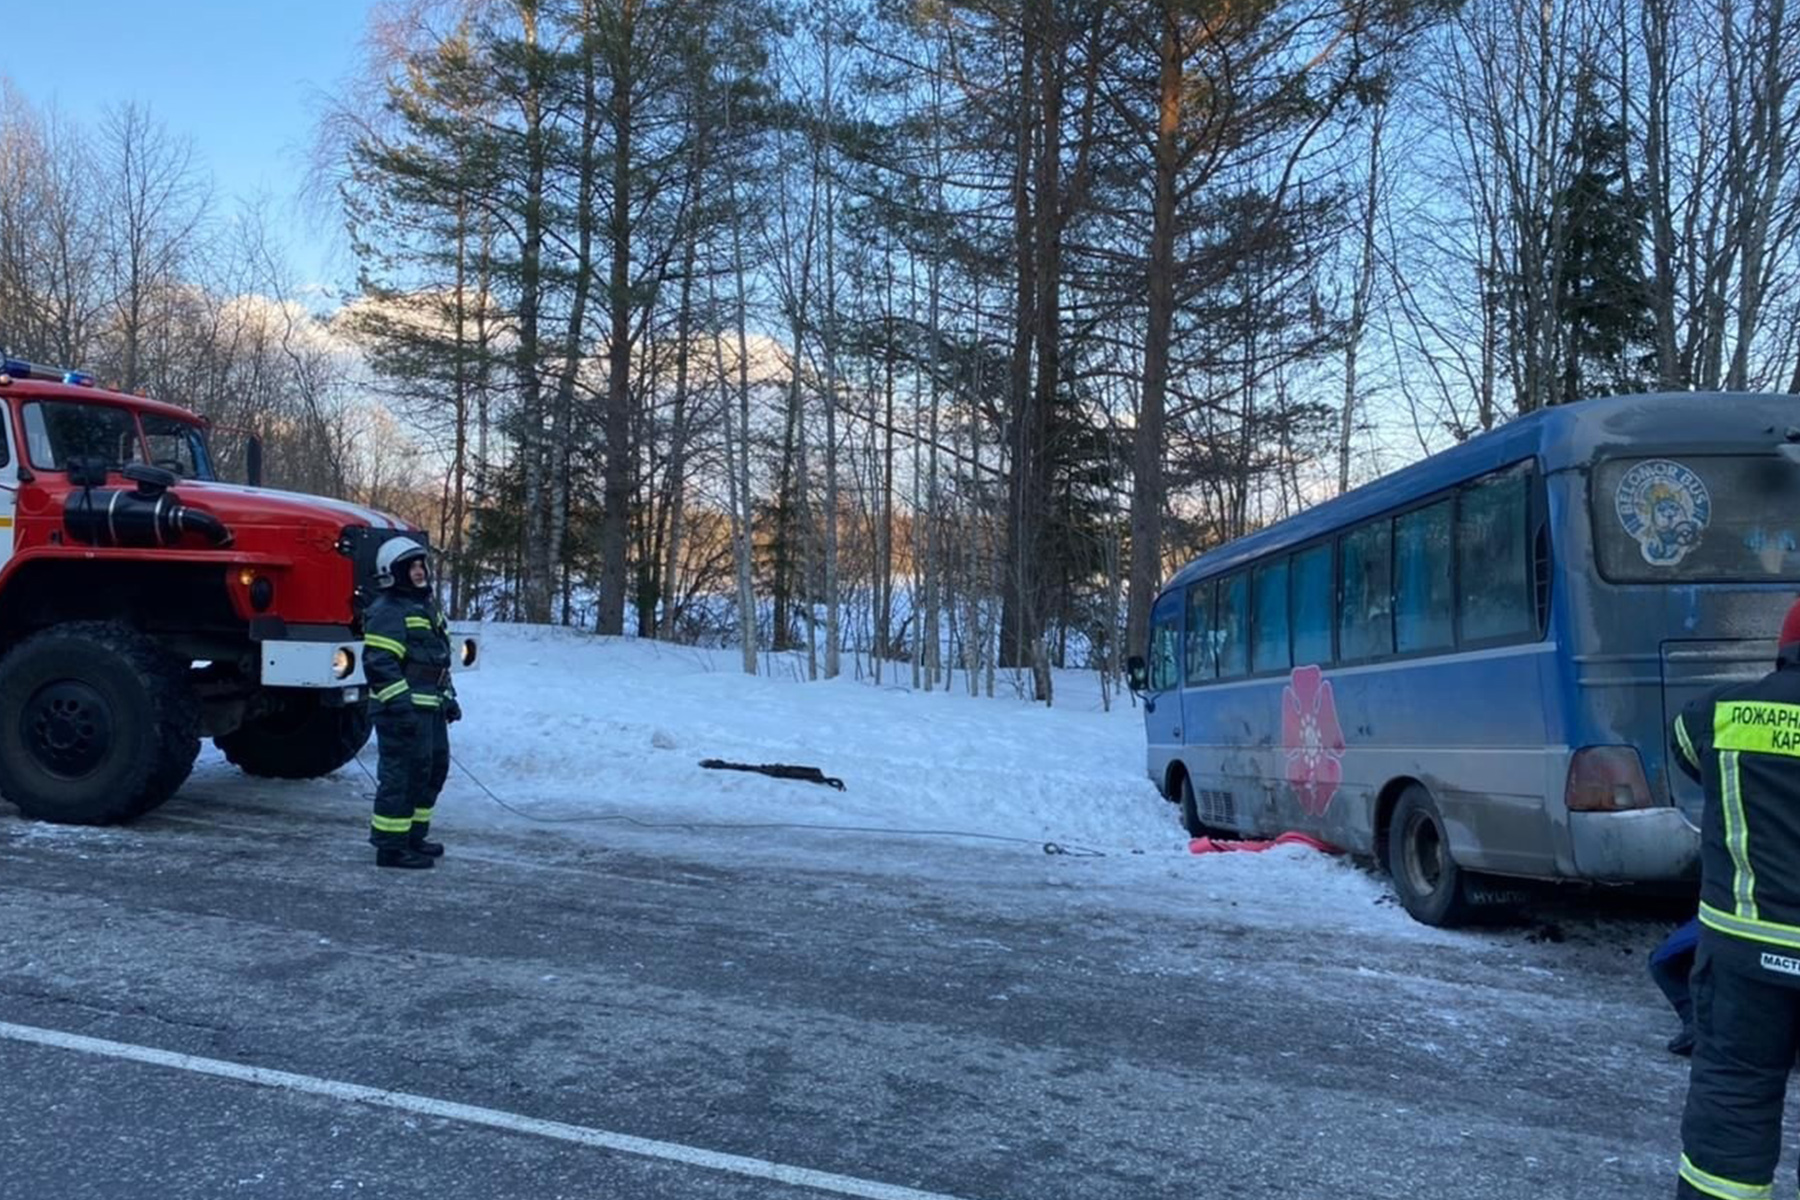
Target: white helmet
393,552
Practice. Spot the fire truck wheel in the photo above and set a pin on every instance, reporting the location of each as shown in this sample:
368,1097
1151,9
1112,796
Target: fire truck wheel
302,738
97,724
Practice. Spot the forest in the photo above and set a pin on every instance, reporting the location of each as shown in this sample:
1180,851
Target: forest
925,337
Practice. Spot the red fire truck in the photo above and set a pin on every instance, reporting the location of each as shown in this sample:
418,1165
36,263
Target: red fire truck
144,605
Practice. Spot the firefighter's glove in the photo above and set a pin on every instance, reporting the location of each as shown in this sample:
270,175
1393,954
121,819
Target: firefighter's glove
452,711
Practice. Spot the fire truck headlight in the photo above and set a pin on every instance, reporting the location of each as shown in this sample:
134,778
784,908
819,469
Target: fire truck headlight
343,662
470,652
262,593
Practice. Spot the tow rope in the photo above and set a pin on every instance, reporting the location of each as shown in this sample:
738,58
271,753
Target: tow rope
778,770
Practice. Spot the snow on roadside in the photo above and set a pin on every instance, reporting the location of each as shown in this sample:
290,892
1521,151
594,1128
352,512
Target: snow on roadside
561,723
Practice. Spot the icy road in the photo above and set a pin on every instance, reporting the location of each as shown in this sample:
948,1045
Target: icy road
991,1023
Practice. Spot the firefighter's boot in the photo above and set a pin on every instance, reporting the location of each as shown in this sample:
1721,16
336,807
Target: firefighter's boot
404,857
420,844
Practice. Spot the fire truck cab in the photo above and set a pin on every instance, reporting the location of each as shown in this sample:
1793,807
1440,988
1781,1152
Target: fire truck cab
144,605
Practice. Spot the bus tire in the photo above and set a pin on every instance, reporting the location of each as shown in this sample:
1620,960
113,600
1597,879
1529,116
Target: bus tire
1190,812
1433,889
97,724
301,738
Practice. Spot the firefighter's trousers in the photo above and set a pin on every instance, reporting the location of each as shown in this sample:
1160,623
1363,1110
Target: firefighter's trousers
414,748
1747,1026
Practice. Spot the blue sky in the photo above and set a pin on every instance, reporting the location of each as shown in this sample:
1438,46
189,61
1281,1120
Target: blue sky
239,77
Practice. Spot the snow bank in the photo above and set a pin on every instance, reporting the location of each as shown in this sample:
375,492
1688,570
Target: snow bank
564,724
566,720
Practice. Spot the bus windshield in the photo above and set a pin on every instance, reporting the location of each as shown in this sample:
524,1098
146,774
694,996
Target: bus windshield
1698,519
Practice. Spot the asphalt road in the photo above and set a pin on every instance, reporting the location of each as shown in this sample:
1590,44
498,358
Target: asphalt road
1001,1025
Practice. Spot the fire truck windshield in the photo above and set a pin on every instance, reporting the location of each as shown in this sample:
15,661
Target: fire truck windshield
177,446
57,431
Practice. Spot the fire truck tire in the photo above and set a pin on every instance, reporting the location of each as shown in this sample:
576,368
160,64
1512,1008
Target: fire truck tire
304,738
97,724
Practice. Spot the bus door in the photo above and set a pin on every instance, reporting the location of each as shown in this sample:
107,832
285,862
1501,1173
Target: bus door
1162,699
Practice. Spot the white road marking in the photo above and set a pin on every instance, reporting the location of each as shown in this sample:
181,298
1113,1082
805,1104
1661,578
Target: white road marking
624,1143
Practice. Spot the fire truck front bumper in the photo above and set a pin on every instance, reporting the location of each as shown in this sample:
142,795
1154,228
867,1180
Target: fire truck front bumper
337,666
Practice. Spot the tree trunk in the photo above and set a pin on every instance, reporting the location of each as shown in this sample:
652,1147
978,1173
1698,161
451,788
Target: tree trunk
1148,491
539,577
574,342
1018,630
620,453
833,635
1359,303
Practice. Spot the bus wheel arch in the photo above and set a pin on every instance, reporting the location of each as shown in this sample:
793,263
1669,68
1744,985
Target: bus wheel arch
1385,802
1173,778
1181,791
1415,848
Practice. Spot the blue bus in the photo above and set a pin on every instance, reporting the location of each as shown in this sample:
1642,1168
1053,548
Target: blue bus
1466,670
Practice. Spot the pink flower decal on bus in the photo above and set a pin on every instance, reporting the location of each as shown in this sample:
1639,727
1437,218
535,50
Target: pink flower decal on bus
1312,739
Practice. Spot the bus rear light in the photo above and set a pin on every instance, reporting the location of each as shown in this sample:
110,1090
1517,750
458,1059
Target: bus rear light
1607,779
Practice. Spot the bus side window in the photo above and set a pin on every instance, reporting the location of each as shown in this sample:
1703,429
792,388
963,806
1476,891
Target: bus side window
1312,606
1232,621
1365,591
1493,567
1269,591
1202,661
1422,569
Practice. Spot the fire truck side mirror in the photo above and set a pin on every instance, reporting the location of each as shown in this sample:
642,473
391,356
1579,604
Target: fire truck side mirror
253,461
87,470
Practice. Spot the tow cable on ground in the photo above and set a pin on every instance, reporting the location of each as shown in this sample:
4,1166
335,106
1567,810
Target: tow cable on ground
1067,849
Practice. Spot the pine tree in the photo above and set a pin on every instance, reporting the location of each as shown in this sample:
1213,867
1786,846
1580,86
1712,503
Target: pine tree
1602,296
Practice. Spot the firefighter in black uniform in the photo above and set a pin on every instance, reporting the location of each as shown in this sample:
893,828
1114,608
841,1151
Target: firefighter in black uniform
1743,743
406,657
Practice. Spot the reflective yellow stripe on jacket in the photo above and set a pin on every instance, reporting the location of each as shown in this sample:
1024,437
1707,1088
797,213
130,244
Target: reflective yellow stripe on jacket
1757,930
1686,742
375,640
1737,834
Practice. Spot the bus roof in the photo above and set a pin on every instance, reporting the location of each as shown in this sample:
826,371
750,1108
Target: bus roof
1566,435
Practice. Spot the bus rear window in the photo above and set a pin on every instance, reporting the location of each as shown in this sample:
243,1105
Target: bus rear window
1698,519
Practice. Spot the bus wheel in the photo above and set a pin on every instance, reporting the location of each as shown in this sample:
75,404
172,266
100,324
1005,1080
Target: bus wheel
1190,813
1430,884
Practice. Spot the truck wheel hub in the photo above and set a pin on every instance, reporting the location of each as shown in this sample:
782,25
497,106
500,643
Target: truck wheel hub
68,727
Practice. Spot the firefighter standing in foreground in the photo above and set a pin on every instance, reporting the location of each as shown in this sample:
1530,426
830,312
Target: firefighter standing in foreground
1743,743
406,657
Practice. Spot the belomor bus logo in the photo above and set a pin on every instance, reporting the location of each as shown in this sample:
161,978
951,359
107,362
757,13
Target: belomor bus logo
1312,738
1665,507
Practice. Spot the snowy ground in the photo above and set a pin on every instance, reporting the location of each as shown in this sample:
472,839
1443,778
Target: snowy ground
563,725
